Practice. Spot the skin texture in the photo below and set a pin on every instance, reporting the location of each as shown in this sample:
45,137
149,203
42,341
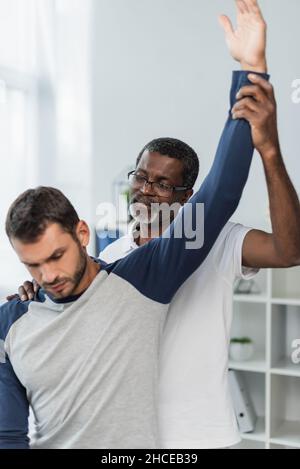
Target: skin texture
247,42
281,248
158,168
58,262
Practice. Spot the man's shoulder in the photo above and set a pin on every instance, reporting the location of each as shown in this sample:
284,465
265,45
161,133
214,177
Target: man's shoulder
11,312
232,233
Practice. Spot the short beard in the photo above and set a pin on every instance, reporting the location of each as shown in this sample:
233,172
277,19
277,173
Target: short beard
78,275
81,268
155,219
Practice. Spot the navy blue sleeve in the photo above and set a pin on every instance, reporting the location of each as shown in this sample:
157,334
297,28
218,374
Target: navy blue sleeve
159,268
14,406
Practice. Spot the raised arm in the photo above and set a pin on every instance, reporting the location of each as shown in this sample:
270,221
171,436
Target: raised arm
159,268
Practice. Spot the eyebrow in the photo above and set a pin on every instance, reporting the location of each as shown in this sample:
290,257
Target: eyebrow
159,178
54,254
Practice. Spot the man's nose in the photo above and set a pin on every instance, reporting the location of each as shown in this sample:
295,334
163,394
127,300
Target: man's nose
147,189
48,274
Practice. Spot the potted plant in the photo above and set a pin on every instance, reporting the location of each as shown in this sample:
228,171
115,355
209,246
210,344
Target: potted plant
241,349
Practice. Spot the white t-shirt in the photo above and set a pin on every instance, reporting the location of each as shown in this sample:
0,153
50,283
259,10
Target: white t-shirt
195,406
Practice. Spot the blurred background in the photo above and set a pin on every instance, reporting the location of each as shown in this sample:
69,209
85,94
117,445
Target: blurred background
85,84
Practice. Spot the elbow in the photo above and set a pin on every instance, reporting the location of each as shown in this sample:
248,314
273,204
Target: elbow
296,262
291,261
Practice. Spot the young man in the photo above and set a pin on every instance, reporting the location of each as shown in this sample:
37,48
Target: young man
91,345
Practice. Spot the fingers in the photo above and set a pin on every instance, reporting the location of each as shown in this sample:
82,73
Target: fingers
254,91
36,286
29,289
246,103
262,82
254,111
244,114
22,294
242,7
253,7
26,291
226,25
261,90
12,297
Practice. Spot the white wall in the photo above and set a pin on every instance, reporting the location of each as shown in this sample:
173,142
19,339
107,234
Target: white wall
161,68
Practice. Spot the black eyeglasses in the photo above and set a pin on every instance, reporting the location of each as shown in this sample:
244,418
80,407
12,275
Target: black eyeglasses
164,190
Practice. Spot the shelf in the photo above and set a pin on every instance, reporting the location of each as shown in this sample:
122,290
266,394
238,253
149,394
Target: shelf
264,299
285,284
285,331
272,320
249,320
250,298
259,433
285,367
281,446
288,434
258,364
249,444
285,302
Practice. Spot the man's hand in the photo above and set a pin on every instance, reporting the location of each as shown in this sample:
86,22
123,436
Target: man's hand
247,43
257,105
26,292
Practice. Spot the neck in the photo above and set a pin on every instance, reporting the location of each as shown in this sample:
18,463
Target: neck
91,271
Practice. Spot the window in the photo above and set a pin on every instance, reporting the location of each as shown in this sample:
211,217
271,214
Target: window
45,109
20,80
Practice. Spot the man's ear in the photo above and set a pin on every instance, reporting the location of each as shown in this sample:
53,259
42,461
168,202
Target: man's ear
187,195
83,233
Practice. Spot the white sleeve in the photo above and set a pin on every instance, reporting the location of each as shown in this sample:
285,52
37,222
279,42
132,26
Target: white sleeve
228,254
116,250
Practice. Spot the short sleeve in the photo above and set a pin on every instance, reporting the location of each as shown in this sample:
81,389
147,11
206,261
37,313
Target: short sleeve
228,255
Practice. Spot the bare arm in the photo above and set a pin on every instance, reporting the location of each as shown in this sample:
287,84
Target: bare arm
281,248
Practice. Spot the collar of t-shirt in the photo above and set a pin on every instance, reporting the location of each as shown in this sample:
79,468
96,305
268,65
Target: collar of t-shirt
41,295
130,240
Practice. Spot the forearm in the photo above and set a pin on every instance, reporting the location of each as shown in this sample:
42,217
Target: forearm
232,162
284,208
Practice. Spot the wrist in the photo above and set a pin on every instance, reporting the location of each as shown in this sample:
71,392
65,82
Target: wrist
260,67
271,153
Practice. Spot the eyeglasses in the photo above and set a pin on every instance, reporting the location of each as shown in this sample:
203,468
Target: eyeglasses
164,190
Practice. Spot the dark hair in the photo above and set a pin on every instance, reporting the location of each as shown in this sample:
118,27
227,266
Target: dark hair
174,148
35,209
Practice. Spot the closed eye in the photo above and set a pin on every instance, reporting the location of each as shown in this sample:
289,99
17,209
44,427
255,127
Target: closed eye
55,258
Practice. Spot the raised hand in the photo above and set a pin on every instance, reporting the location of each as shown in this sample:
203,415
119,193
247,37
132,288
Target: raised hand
247,42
